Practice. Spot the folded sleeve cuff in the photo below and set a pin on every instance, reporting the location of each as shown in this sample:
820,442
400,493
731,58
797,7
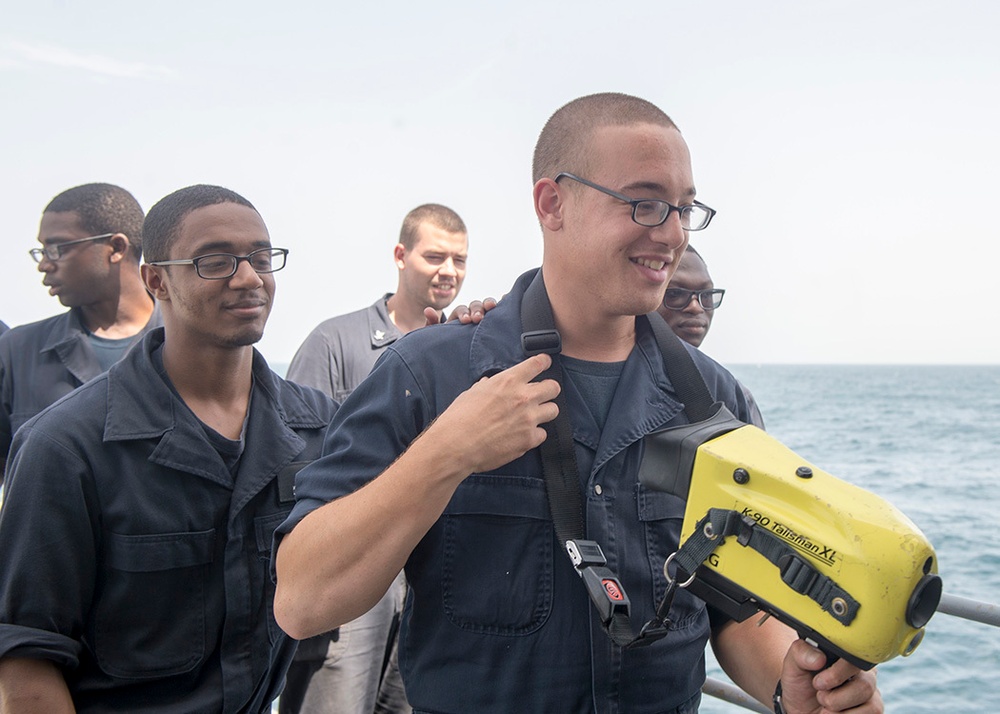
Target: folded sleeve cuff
32,643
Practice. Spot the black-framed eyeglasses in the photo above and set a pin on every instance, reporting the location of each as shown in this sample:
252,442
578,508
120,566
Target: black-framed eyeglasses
652,212
679,298
221,266
55,251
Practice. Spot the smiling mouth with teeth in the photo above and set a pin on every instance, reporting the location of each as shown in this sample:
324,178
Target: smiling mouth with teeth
651,264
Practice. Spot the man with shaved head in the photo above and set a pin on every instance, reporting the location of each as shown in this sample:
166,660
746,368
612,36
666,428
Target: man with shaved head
497,617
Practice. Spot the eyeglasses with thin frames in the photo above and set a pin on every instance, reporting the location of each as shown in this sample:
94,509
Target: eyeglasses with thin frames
652,212
222,266
679,298
54,252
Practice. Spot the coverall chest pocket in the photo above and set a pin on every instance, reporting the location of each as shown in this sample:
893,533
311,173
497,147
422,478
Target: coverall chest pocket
497,555
150,618
662,515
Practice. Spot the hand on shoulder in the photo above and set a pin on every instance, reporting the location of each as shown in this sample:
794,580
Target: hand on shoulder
465,314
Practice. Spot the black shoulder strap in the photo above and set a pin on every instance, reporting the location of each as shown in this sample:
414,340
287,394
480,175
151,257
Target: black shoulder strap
562,475
683,372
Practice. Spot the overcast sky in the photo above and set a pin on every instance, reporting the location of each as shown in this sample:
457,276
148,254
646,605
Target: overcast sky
847,146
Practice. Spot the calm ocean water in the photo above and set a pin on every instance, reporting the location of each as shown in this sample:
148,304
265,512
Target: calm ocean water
926,438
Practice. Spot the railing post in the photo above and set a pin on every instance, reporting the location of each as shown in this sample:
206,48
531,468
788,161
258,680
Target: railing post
968,609
734,695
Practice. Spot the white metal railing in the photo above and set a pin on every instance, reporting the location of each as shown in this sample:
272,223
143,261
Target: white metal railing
734,695
969,609
954,605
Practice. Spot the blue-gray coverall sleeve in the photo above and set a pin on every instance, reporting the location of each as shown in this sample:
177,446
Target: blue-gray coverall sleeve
48,539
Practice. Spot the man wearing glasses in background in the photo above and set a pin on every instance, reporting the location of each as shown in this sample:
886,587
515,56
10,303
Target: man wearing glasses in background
137,526
689,305
91,242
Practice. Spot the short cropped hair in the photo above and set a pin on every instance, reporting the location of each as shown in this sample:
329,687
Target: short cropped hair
690,249
433,213
564,141
164,219
103,208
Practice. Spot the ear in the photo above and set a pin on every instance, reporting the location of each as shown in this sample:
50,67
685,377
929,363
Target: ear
119,247
398,253
154,282
548,204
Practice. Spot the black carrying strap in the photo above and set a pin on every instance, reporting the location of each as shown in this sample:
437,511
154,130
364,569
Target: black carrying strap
562,475
562,480
684,376
796,572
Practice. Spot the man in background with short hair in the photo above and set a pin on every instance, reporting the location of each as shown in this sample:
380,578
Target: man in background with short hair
347,672
90,244
136,531
689,305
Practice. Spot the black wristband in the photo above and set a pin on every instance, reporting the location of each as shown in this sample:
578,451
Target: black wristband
776,700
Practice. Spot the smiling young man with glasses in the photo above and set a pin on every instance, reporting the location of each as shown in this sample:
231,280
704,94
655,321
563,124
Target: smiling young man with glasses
137,528
91,243
497,617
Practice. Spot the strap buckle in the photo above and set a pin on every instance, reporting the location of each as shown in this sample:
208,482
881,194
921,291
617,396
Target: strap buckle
536,342
603,586
651,632
796,573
